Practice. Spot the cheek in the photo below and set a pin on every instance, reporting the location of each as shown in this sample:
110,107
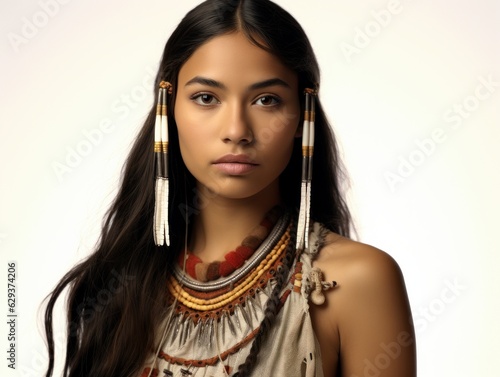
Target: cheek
281,131
278,140
191,145
190,132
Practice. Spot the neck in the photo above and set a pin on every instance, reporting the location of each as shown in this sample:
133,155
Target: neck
223,224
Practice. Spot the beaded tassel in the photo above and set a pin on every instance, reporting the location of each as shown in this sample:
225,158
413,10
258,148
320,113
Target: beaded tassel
161,229
307,154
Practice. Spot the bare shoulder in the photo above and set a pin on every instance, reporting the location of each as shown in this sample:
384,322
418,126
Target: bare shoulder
367,279
368,308
348,261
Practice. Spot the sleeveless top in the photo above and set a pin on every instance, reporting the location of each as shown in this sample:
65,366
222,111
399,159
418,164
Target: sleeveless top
215,342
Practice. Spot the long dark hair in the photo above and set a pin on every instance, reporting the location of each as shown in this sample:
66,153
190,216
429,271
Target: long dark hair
116,296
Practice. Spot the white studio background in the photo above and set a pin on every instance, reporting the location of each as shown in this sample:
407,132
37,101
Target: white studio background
412,89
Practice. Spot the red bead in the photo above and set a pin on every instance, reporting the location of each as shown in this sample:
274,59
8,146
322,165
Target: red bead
191,262
234,259
244,251
225,268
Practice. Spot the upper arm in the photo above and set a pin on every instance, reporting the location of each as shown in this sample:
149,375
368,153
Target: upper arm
375,327
368,315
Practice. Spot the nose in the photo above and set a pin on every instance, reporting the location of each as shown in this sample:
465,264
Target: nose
236,127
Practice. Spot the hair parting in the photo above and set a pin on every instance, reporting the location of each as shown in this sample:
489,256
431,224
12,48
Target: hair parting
115,336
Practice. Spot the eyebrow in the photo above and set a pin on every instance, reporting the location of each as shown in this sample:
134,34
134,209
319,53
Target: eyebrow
258,85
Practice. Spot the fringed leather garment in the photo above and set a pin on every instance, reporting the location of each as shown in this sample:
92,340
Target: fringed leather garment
210,326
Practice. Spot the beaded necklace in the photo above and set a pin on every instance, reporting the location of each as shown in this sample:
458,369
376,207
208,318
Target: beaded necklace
228,281
210,332
210,322
233,260
200,302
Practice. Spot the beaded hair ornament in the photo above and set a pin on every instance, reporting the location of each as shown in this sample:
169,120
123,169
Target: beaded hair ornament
161,227
307,160
160,230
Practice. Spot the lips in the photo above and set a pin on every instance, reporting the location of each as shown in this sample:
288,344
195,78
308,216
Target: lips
235,164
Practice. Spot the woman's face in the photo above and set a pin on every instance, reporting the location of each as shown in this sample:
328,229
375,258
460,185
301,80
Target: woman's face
237,114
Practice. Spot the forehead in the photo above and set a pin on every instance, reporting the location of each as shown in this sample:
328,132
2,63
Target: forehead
235,61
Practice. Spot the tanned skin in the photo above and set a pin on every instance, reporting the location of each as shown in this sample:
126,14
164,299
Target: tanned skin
235,98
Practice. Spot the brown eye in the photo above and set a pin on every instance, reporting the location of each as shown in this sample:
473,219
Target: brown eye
268,101
205,99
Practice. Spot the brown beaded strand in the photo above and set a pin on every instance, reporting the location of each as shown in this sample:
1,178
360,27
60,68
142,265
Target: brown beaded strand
204,272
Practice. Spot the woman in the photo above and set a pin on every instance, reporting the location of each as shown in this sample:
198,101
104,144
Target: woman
237,86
